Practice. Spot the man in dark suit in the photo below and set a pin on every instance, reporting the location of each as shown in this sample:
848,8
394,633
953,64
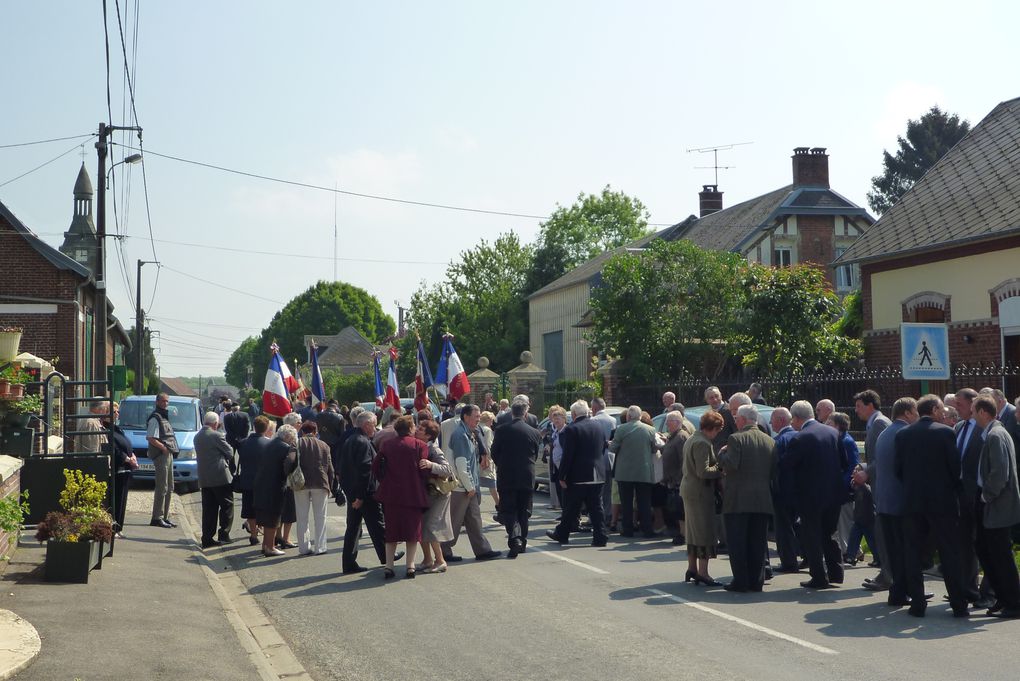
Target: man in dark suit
928,466
236,426
819,463
1006,414
998,508
749,462
968,446
582,474
356,480
784,494
868,407
514,450
714,399
331,430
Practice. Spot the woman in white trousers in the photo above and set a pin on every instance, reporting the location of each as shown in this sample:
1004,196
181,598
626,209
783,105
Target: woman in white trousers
317,466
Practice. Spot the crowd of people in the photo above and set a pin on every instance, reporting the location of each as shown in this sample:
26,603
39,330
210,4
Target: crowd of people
934,489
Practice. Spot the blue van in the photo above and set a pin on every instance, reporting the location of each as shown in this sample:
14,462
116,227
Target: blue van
185,417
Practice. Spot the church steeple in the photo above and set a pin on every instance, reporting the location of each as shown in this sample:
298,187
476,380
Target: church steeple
80,241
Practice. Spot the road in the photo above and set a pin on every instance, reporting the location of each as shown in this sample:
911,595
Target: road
618,612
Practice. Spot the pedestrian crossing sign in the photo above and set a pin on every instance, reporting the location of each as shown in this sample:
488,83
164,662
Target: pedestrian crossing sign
924,349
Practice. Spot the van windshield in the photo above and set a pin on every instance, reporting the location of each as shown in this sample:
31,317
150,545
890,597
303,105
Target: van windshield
183,415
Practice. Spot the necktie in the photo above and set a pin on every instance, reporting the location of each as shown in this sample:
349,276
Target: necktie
963,436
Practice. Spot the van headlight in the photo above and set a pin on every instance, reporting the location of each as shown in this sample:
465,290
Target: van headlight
186,454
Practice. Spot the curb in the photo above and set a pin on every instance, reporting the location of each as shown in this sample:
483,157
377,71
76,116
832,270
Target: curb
267,650
19,644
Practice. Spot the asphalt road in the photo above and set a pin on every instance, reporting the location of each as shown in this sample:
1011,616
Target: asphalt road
619,612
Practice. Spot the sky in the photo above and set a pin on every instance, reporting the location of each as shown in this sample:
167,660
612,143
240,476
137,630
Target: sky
510,107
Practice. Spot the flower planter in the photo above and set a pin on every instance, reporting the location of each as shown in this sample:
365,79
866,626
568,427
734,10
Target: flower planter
71,561
9,342
16,390
5,386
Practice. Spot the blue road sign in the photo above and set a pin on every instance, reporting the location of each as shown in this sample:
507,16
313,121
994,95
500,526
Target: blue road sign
924,349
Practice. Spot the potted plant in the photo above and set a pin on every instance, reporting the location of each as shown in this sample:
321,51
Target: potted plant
75,536
20,412
17,379
13,510
10,339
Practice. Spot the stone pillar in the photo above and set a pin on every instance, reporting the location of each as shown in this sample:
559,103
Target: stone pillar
482,381
613,374
529,379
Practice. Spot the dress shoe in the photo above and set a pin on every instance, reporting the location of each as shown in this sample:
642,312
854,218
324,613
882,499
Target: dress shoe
211,543
1006,613
871,585
599,543
836,580
273,552
915,612
398,555
169,523
985,603
515,550
489,555
354,570
996,607
706,581
898,602
961,612
159,522
736,589
768,572
224,538
812,584
786,570
555,537
452,558
253,540
690,576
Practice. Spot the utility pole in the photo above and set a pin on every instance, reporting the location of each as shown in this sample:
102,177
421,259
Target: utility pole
100,327
139,323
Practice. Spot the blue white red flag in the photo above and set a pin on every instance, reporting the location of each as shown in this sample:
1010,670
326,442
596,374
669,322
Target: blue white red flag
318,390
275,399
422,380
451,379
380,391
392,397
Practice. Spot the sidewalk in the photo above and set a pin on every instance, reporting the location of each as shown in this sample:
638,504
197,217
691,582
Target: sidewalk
149,613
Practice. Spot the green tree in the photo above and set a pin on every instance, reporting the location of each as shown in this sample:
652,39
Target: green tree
131,358
668,310
325,308
236,369
791,324
595,223
482,301
927,140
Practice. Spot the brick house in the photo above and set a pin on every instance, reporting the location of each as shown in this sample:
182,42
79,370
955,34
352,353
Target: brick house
52,295
806,221
949,252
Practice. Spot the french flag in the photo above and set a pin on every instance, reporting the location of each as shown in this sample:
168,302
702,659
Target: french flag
392,396
380,392
422,380
318,390
275,400
451,379
289,382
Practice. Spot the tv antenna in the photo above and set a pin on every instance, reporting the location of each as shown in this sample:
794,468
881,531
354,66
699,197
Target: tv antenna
715,157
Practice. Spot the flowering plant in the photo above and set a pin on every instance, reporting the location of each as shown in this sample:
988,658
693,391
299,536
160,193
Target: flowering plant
83,517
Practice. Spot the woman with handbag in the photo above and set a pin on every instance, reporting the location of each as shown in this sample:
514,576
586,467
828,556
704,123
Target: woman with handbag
435,525
701,471
280,459
402,491
317,469
125,462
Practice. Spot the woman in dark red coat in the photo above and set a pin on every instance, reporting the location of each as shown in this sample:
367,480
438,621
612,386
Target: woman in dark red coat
402,491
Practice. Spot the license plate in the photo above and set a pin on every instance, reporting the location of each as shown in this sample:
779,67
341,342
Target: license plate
147,467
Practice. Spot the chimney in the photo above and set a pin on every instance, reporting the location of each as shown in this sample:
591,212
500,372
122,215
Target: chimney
709,200
810,167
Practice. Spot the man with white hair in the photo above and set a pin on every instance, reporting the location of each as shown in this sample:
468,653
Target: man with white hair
507,417
714,399
784,497
608,424
356,480
635,446
215,458
582,474
819,463
824,409
738,400
95,439
748,460
668,398
1006,414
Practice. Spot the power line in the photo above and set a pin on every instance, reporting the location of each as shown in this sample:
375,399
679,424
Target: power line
278,254
40,166
54,139
223,286
201,346
191,321
196,333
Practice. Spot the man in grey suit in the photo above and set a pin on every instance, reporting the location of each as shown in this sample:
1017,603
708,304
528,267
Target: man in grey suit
998,508
868,406
749,462
215,458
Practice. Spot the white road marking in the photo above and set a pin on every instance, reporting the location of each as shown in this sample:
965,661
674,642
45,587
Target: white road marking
576,563
750,625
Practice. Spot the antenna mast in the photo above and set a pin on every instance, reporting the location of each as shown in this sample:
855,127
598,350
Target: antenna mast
715,157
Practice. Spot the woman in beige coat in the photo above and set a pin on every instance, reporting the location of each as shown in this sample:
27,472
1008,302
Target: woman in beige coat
697,488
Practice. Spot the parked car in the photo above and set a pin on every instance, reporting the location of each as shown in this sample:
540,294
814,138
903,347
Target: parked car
186,419
542,468
405,404
693,414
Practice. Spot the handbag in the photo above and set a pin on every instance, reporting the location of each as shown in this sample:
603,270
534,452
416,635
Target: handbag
441,487
296,478
339,497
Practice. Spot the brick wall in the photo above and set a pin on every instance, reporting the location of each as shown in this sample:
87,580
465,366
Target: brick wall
817,236
10,487
882,349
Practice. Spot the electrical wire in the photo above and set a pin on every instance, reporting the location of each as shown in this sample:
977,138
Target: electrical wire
196,333
224,286
191,321
201,346
54,139
278,254
40,166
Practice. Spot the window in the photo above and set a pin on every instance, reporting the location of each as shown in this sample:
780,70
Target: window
845,279
81,255
782,257
552,355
